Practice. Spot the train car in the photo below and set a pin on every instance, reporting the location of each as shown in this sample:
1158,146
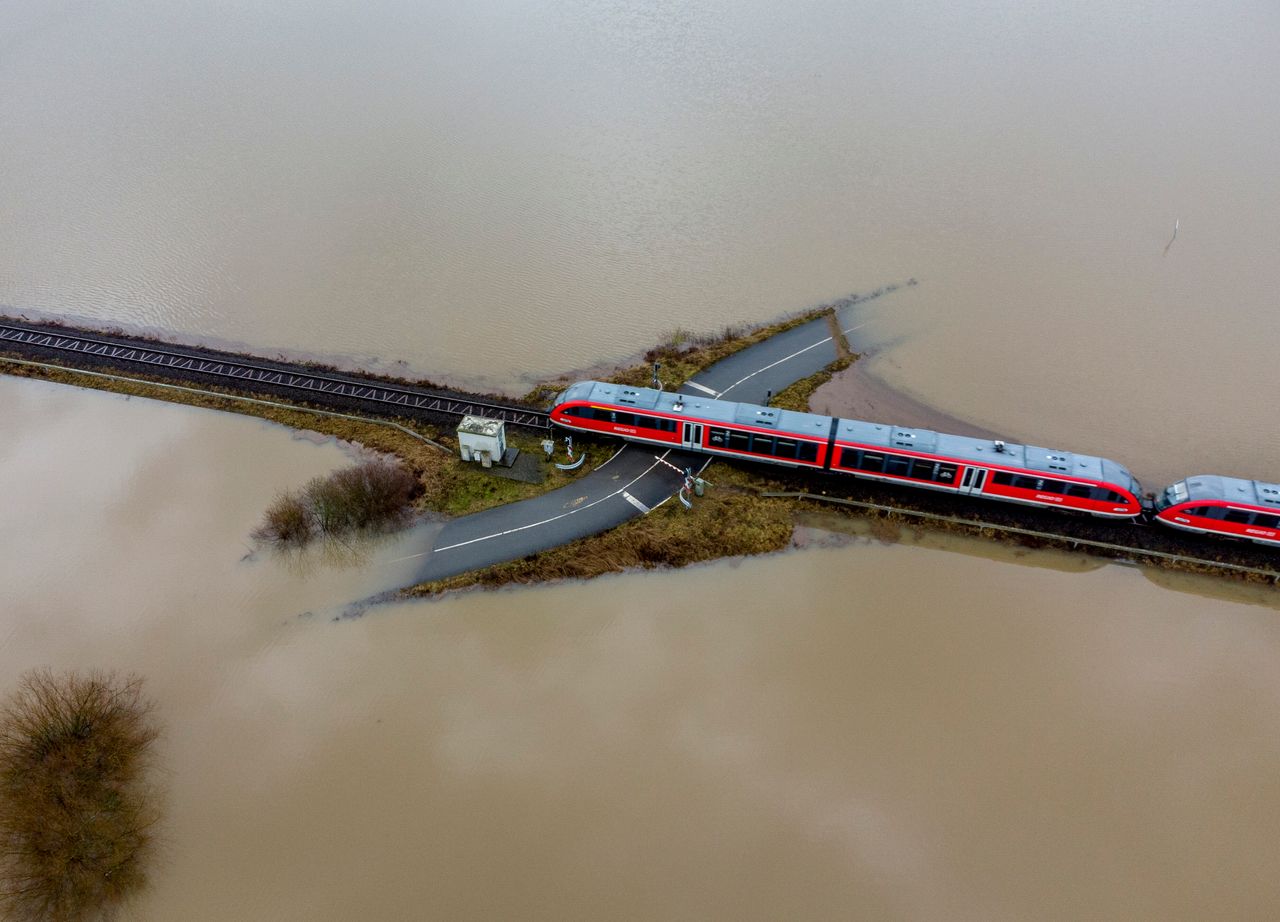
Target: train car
718,427
1022,474
914,457
1225,506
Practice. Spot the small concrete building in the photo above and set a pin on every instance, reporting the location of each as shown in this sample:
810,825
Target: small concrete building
483,440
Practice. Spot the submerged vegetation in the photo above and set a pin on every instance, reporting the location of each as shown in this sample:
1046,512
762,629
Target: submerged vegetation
76,808
371,496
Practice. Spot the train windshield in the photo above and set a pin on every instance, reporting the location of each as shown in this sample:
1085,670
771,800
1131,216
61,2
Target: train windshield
1172,495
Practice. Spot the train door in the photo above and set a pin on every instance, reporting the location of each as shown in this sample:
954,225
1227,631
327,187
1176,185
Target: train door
974,478
692,436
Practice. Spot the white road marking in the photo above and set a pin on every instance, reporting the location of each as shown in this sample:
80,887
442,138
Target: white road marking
618,492
615,454
635,502
775,364
787,358
703,388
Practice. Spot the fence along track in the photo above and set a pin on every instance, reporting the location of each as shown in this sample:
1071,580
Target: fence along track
304,382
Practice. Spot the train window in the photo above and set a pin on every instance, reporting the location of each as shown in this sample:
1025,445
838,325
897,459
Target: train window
739,441
1025,483
762,444
922,468
1002,478
785,448
1053,486
895,464
870,462
1079,490
1239,516
719,438
808,451
654,422
946,473
1266,520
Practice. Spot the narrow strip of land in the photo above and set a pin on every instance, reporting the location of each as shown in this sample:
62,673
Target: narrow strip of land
634,481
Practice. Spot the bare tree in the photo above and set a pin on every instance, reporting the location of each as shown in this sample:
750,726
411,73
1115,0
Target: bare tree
76,807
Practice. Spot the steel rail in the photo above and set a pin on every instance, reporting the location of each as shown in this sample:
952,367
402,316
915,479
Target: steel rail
1014,530
306,382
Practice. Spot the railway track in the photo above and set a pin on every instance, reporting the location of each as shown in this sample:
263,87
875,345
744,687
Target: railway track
317,387
1117,550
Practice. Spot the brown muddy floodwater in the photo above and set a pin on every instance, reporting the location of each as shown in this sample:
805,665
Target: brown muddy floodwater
884,731
493,192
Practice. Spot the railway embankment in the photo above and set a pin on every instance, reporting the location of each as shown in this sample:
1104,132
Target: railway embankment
412,419
748,510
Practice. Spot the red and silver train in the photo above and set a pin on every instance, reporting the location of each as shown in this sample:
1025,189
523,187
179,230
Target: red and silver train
916,457
1207,503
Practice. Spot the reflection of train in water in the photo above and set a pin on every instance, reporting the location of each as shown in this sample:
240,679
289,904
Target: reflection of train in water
917,457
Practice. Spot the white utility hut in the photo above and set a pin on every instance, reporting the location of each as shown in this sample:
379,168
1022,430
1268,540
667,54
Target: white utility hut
483,440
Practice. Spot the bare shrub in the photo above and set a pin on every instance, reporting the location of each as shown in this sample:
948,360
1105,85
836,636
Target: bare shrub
323,500
287,521
76,810
373,495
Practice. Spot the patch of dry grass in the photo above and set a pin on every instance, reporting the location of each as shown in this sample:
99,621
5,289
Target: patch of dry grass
683,354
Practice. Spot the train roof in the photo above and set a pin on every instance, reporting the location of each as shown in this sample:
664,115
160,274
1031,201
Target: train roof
1232,489
983,451
706,408
1051,462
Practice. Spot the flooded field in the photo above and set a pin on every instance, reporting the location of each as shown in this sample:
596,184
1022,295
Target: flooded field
790,735
930,729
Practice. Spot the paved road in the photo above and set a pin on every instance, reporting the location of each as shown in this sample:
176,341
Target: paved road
772,365
634,480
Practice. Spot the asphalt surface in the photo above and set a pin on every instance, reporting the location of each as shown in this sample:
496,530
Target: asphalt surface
773,365
633,481
637,478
